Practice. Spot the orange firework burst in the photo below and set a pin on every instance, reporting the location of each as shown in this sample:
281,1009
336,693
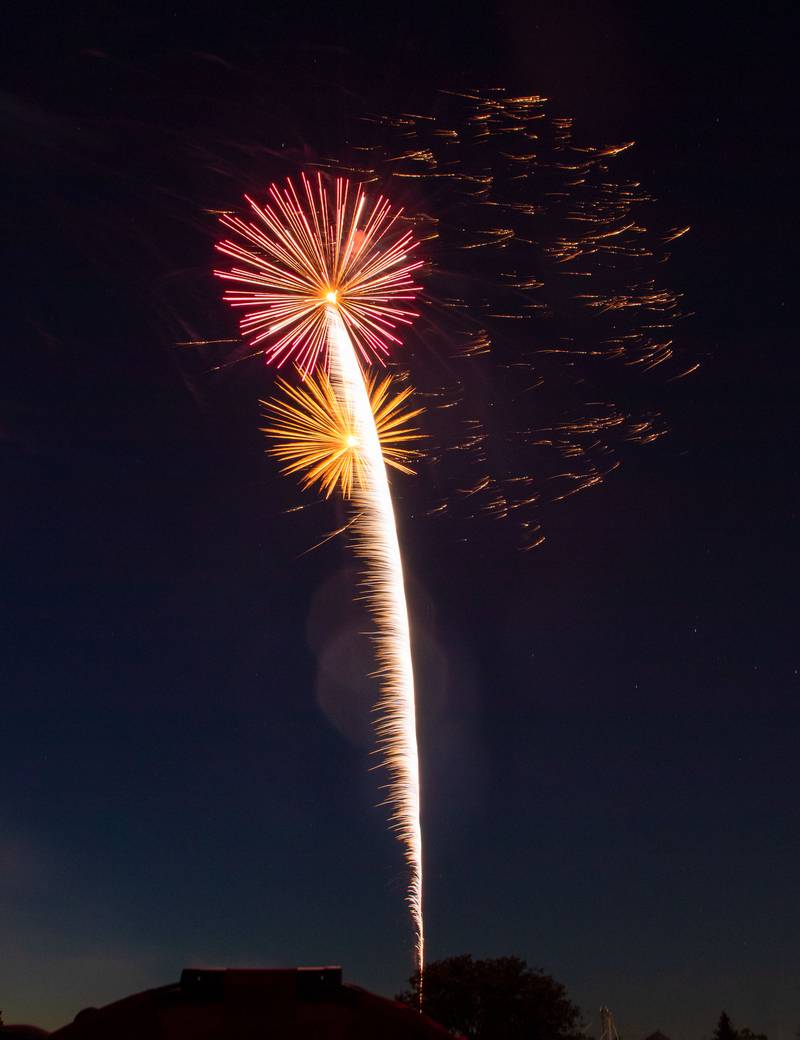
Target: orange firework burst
309,250
316,433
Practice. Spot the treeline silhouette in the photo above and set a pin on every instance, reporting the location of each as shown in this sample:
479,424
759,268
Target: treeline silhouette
502,998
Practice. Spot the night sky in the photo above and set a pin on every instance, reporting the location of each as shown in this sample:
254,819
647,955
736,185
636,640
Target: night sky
609,723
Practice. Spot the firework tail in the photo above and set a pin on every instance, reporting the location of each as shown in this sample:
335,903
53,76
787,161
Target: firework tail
375,536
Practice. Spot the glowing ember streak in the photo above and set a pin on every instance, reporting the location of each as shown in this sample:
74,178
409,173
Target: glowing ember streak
314,432
376,543
325,277
306,251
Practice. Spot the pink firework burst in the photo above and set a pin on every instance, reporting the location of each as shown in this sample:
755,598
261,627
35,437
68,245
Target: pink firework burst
313,249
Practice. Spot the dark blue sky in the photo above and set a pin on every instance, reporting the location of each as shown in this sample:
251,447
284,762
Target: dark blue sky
609,724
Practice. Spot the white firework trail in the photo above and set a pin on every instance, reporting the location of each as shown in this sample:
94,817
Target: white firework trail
375,538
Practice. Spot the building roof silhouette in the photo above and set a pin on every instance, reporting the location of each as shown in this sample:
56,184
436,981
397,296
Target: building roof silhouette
232,1004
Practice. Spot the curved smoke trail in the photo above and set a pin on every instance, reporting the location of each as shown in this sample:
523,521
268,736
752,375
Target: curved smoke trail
375,535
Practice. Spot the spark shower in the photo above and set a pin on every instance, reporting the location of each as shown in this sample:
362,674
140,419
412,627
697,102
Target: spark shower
544,307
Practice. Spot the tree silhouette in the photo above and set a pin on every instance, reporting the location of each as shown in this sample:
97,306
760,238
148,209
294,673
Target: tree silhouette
495,999
725,1030
748,1034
